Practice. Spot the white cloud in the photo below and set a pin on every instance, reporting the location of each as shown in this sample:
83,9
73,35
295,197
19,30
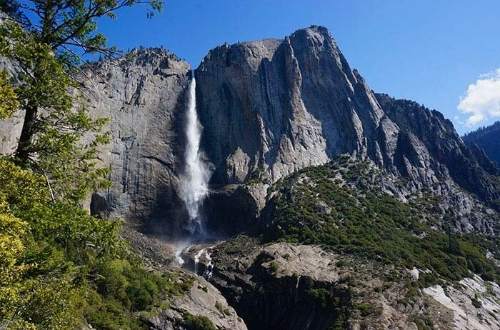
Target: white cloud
482,100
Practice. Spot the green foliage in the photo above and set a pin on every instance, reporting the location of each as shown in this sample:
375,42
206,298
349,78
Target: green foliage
198,322
367,223
273,266
366,309
337,303
423,322
59,265
323,297
12,236
8,98
52,140
123,288
70,24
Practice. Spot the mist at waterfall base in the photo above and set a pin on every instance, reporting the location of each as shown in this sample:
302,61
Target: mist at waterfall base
194,181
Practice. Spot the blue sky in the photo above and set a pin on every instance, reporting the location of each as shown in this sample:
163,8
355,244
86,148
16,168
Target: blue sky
432,51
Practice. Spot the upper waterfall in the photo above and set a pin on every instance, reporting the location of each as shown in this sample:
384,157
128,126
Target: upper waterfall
194,182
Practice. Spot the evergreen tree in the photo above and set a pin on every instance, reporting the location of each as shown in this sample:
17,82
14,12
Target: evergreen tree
61,268
46,40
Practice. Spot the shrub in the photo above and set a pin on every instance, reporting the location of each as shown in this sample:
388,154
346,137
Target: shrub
198,322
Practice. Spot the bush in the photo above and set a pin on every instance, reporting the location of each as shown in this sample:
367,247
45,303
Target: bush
273,266
476,302
198,322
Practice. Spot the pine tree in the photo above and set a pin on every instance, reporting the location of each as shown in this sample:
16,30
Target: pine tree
46,39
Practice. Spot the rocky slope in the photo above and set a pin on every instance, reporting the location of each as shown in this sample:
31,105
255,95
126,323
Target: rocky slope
200,303
272,107
488,139
359,245
293,286
204,300
269,108
340,251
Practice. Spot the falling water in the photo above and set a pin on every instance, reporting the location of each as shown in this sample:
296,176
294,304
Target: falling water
204,253
194,185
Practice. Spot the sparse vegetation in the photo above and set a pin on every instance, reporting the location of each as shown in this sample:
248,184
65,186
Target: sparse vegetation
368,223
198,322
476,302
366,309
273,266
336,302
220,307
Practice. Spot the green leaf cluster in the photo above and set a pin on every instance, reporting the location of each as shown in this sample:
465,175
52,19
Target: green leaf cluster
60,267
198,322
8,98
64,138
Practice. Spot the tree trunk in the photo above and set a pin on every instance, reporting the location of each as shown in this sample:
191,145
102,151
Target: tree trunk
25,140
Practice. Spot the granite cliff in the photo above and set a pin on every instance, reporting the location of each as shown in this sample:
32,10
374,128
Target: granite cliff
268,108
143,94
272,107
364,193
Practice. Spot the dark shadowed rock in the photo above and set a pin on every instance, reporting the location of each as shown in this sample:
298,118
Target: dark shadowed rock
488,139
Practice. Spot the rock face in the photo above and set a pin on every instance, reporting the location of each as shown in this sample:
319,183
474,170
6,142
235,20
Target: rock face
202,300
474,303
272,107
488,139
143,95
429,145
289,286
269,108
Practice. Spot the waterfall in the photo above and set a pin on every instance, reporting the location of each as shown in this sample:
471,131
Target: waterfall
207,274
194,184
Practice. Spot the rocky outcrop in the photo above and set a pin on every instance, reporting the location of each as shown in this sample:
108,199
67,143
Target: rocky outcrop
289,286
143,96
430,150
269,108
202,300
474,303
272,107
10,129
